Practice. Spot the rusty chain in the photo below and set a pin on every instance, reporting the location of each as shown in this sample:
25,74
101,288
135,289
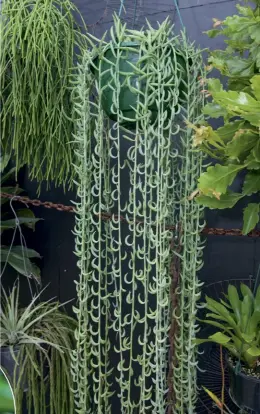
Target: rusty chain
107,216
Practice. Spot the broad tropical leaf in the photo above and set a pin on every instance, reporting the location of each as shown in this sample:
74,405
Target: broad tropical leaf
251,183
216,180
227,200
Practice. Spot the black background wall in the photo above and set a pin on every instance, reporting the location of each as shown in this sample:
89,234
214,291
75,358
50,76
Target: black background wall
225,257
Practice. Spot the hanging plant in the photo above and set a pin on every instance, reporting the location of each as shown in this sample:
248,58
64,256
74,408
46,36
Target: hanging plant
38,41
19,257
128,57
141,166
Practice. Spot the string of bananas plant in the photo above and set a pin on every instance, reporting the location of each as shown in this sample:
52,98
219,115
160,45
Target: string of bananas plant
38,41
135,158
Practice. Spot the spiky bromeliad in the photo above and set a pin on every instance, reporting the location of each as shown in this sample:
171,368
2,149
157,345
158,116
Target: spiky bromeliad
141,166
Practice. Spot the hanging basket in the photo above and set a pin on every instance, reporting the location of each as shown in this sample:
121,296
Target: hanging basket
124,78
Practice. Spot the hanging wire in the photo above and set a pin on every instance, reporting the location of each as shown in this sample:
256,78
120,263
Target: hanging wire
134,18
179,13
121,7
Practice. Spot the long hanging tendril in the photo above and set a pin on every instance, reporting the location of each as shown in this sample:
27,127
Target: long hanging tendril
38,39
188,217
141,166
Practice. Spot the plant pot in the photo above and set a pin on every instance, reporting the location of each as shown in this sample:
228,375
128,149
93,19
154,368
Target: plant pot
128,99
8,364
245,390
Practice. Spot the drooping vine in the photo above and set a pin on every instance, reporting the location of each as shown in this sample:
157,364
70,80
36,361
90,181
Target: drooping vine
189,251
134,159
38,42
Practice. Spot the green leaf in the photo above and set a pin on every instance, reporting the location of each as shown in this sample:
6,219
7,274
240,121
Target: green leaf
25,213
22,265
20,251
217,308
228,131
4,160
216,316
255,32
9,190
251,162
245,11
239,84
251,183
253,325
11,224
218,178
7,175
256,151
238,102
246,313
214,85
255,81
254,351
251,217
214,110
246,291
227,200
242,142
234,301
253,118
215,323
237,66
257,299
220,338
248,338
213,33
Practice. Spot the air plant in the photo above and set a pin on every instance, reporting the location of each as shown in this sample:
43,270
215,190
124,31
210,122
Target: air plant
39,338
141,166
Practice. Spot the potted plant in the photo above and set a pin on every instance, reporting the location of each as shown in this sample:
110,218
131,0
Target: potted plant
237,318
235,145
35,346
125,70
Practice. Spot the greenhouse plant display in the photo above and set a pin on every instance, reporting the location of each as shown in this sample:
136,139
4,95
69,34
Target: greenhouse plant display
235,145
38,43
35,348
137,168
237,318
